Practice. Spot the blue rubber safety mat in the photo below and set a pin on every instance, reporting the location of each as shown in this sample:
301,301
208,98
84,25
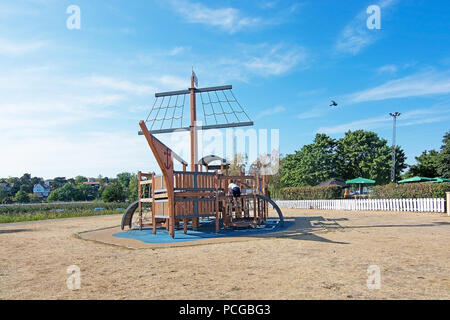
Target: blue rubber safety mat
206,230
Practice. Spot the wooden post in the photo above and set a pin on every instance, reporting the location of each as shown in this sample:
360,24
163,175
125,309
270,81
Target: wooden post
192,126
139,198
216,185
448,203
153,204
266,193
193,132
185,222
163,156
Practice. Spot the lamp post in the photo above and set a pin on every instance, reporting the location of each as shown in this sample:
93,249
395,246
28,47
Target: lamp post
394,116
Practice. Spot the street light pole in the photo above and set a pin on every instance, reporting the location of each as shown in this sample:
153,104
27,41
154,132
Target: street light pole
394,116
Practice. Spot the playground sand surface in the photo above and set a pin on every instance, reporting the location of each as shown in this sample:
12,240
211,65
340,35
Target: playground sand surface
325,255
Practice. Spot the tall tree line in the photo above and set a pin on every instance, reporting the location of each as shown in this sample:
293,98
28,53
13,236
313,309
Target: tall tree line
359,153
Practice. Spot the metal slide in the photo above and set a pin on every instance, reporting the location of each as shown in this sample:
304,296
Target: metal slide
127,218
275,206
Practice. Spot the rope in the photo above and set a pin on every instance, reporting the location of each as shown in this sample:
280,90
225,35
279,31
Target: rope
162,113
229,111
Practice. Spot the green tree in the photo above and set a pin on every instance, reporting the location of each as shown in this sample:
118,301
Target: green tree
113,193
36,180
25,179
87,192
58,182
21,197
443,168
25,183
15,182
26,188
33,197
80,179
313,164
124,179
68,192
274,181
238,162
400,162
3,194
363,154
427,165
132,190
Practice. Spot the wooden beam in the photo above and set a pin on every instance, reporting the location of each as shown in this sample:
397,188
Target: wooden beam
163,156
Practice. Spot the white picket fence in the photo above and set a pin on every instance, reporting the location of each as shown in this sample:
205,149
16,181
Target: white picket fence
416,205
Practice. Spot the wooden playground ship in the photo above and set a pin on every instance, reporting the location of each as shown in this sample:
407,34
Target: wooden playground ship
186,196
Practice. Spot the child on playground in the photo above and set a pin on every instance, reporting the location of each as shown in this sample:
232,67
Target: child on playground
235,191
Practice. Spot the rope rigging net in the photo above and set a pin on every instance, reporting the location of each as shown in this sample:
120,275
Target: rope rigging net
219,109
166,114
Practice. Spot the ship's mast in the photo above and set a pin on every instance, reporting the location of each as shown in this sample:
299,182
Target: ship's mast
161,116
193,129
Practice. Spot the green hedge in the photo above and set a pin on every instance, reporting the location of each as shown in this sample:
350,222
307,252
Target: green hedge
57,211
311,193
410,190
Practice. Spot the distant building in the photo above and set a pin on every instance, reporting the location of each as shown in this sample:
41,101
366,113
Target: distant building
92,183
41,191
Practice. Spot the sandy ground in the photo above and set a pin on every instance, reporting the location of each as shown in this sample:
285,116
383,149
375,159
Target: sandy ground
326,256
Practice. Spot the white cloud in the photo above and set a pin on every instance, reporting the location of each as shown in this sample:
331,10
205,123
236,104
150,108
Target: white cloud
90,154
416,85
268,4
437,113
12,9
228,19
356,36
366,124
176,50
172,82
10,48
389,69
313,92
313,113
147,85
262,60
276,60
100,100
421,84
52,126
271,111
117,84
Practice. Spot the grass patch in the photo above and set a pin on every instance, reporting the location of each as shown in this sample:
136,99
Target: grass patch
22,213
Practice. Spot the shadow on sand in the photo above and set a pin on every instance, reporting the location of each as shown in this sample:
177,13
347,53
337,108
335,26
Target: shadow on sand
15,230
304,228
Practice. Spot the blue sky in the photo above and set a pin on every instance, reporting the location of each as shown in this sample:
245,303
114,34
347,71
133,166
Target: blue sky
71,99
